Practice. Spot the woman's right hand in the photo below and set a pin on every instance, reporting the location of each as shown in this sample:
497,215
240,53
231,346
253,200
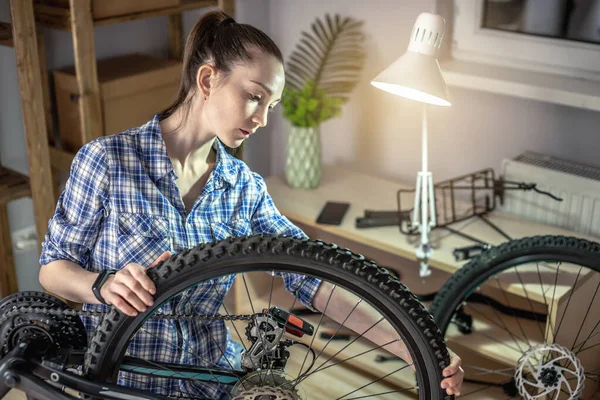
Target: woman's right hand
130,290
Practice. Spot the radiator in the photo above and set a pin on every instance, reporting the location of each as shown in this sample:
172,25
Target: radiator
578,185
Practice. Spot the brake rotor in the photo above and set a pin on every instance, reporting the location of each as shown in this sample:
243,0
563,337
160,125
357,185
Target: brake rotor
549,368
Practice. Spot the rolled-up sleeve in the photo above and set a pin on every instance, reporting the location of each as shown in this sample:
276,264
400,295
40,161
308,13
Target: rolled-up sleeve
73,230
268,220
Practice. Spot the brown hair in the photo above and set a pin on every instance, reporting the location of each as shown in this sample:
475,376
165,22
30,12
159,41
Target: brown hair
221,44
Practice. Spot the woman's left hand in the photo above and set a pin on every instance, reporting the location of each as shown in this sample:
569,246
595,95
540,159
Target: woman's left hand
453,374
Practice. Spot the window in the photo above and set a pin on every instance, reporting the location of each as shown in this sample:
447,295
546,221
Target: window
557,36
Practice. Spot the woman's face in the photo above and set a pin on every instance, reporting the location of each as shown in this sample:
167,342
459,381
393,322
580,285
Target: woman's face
242,100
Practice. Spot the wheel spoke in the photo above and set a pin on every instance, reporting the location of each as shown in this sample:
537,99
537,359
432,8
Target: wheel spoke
548,328
529,300
513,312
375,381
191,353
384,393
315,334
568,301
472,307
322,368
233,324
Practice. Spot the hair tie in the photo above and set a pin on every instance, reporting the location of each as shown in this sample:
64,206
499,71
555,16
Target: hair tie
227,21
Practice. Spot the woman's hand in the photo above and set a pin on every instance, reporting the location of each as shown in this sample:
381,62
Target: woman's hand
454,375
130,290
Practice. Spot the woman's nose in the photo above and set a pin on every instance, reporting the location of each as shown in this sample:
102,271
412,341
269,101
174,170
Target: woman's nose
260,118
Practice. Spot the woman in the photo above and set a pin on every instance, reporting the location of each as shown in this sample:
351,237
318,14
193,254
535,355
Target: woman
135,197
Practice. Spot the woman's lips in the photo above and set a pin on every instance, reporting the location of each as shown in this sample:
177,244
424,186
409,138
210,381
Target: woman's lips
246,133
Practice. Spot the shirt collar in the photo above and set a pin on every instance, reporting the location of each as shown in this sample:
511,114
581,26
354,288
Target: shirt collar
153,150
225,165
154,153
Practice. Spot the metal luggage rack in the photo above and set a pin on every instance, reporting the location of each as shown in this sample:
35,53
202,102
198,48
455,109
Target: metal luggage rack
456,199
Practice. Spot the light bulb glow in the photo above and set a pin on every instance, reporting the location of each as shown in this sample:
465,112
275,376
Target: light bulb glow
411,93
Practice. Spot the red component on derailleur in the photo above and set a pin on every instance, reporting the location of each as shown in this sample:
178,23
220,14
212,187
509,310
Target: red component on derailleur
291,323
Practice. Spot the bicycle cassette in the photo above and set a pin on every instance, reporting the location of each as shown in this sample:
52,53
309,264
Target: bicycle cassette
22,317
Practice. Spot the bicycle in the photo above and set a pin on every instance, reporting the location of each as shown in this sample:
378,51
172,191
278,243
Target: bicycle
534,305
46,352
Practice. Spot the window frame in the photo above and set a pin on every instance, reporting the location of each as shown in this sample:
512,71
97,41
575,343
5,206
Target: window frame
471,42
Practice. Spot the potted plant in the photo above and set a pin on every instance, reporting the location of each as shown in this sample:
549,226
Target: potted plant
321,72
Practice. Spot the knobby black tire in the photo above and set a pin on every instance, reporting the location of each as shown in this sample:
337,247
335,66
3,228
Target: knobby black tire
326,261
497,259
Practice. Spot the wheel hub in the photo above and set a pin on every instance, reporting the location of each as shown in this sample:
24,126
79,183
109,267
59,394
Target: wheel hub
549,376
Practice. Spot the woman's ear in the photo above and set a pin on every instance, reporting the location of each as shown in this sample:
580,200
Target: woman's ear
205,79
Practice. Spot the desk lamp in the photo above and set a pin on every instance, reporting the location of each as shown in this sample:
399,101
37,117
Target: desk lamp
416,75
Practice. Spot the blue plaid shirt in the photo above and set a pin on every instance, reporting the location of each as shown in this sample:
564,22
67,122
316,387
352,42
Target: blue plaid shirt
121,205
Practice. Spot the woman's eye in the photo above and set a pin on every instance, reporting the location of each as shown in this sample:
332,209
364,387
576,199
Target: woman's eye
254,97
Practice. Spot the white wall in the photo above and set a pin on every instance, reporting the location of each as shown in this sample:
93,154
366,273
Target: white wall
380,133
146,36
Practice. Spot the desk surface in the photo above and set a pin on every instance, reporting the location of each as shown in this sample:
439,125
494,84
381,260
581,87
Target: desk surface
364,191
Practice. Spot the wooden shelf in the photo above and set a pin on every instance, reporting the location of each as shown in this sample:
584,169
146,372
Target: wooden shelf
60,18
12,185
6,34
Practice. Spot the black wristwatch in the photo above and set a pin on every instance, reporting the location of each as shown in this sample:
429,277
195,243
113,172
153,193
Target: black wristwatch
100,281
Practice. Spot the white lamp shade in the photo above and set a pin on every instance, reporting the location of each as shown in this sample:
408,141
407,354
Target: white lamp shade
416,74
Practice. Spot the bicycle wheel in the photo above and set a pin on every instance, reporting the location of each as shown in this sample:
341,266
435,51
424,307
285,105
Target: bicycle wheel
280,368
524,316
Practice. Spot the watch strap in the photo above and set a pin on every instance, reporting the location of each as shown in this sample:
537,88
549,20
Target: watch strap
99,282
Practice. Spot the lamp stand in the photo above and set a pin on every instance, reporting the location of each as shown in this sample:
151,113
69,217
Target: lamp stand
424,195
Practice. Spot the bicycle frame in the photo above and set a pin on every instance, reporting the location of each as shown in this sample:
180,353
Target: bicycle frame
45,380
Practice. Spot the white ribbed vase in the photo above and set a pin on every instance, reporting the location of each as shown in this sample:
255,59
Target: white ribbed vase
303,158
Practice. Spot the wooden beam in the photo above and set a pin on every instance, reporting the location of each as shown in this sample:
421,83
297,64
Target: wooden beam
45,85
228,7
175,36
90,110
32,107
8,275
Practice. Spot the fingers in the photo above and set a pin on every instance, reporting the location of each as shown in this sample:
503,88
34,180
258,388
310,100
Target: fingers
454,376
141,282
126,300
132,278
130,290
451,369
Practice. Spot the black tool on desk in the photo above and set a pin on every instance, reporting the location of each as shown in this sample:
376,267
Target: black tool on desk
333,213
374,219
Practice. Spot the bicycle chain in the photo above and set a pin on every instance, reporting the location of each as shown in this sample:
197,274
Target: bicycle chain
79,313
